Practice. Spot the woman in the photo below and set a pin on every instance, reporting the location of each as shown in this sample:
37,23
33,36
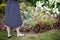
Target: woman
12,17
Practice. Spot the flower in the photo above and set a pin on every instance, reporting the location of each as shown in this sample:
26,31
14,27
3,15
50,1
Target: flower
39,4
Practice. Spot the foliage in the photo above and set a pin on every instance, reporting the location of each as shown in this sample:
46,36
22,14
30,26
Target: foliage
2,11
31,16
2,7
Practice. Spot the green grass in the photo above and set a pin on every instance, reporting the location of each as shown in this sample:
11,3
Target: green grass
50,35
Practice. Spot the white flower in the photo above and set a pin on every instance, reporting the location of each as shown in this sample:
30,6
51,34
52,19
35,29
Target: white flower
48,12
51,1
46,8
55,10
39,4
55,15
58,1
52,15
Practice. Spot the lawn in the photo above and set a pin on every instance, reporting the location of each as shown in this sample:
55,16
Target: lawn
50,35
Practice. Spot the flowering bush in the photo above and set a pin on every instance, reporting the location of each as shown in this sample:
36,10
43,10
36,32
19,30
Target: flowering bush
31,16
